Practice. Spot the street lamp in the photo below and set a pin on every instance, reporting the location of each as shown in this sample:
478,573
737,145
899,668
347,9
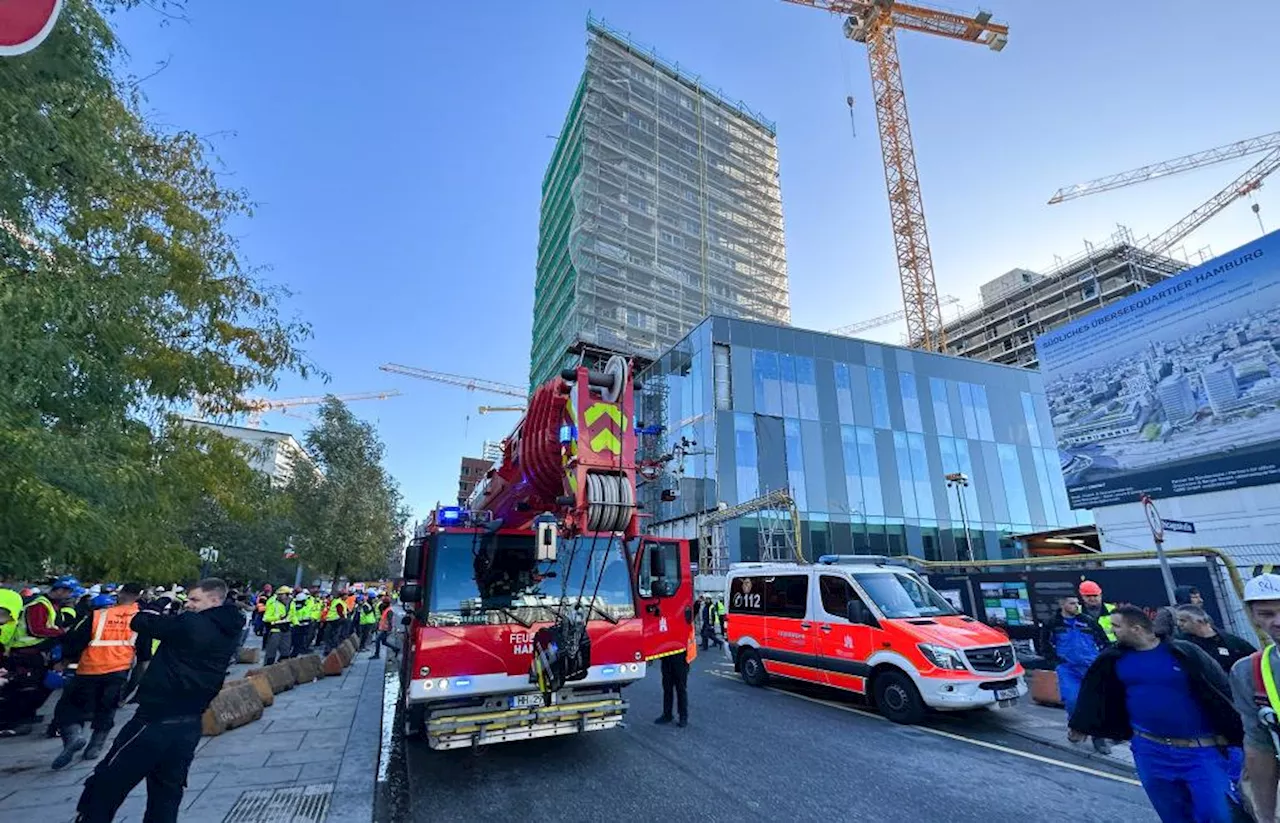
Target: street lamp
960,481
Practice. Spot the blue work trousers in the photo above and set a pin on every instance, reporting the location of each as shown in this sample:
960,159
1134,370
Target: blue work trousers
1184,785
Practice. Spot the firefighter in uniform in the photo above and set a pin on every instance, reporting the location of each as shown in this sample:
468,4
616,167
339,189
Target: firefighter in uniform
279,629
109,649
675,682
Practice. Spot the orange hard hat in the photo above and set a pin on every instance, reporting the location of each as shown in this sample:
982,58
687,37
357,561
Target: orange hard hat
1090,588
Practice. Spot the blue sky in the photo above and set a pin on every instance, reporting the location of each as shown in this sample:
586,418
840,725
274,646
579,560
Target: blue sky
396,150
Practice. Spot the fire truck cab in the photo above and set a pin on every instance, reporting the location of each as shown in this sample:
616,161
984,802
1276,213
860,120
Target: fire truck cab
870,626
494,617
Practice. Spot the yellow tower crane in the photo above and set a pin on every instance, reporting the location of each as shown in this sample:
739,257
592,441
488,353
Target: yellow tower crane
873,22
258,406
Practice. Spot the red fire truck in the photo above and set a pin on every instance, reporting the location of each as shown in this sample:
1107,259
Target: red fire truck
531,608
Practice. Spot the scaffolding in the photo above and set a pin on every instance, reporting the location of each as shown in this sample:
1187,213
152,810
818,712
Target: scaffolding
1004,329
778,524
661,205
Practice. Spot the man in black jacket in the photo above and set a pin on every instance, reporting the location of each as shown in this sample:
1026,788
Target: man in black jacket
1173,702
184,676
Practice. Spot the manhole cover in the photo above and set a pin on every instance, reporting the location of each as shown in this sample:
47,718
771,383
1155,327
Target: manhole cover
294,804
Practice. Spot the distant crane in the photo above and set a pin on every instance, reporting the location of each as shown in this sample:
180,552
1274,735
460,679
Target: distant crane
492,409
1243,186
469,383
258,406
873,22
885,319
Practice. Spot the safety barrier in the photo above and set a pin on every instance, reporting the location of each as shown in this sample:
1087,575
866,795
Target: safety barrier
263,686
236,705
306,668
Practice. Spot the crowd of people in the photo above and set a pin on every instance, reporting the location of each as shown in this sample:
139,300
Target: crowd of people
1197,704
168,650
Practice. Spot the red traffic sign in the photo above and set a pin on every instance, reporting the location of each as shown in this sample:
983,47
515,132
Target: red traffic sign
24,24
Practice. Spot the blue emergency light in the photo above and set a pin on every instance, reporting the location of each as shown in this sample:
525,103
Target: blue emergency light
568,434
449,515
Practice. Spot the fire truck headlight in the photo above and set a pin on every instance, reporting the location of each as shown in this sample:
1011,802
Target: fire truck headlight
444,683
635,667
424,671
429,685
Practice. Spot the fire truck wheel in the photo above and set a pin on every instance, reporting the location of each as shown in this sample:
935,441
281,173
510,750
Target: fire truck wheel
897,697
753,673
414,722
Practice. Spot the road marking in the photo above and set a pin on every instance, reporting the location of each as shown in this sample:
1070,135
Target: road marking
952,736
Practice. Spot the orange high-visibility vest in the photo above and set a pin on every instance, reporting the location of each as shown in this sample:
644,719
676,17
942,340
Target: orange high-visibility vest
351,602
111,645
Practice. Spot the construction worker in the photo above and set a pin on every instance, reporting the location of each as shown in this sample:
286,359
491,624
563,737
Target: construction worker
1091,594
106,647
10,614
260,605
300,621
1257,697
334,618
368,618
675,682
33,639
385,613
279,628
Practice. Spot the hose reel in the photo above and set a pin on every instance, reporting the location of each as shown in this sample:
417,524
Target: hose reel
611,502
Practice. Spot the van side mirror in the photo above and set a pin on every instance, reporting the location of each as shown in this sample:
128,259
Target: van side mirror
858,613
410,593
545,524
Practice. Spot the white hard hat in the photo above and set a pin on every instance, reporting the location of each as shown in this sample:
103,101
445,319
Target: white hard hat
302,595
1262,587
95,589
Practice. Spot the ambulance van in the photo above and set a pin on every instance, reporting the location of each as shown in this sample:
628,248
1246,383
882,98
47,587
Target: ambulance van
867,625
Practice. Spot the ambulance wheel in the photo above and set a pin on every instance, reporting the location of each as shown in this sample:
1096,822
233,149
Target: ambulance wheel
753,673
897,698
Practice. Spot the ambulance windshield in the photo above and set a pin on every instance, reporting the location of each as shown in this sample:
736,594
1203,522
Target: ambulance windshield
479,579
903,595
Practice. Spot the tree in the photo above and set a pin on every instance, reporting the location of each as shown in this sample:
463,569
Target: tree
123,297
347,512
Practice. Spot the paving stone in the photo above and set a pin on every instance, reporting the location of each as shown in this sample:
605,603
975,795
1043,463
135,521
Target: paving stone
269,776
301,756
316,772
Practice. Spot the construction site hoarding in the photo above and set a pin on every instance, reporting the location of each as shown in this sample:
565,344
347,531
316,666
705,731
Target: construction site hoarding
661,205
1175,390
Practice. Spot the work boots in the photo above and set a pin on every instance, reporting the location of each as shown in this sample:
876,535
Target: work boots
96,742
72,742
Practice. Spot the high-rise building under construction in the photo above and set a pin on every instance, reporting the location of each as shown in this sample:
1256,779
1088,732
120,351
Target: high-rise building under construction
661,205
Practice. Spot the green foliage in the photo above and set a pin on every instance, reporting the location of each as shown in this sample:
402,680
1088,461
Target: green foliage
123,296
347,512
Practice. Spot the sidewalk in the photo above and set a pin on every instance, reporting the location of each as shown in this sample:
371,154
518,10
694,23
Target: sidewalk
314,753
1048,725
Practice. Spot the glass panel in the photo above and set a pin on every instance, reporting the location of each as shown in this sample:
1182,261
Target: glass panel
744,442
861,395
973,510
1045,484
771,453
795,464
844,393
950,463
790,405
941,409
768,383
910,401
1033,428
903,457
1015,489
814,474
807,385
852,476
921,474
983,411
743,380
869,468
879,398
971,429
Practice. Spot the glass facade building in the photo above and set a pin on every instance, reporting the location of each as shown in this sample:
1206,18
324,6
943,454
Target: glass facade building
863,435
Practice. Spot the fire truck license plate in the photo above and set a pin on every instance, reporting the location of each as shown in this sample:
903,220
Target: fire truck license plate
530,701
1006,694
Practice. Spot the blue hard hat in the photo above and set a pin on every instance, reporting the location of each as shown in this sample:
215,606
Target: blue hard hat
102,601
359,598
109,588
65,582
79,591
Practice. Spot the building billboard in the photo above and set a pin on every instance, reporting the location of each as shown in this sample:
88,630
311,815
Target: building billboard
1174,390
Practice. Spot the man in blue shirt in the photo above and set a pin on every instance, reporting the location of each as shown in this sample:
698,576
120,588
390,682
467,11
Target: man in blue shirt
1174,703
1072,640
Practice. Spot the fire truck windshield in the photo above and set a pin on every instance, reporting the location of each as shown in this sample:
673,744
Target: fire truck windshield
511,592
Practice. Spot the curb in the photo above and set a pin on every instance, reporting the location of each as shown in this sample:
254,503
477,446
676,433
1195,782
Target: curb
1088,754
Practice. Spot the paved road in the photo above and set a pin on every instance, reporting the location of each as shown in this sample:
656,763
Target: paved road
767,754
